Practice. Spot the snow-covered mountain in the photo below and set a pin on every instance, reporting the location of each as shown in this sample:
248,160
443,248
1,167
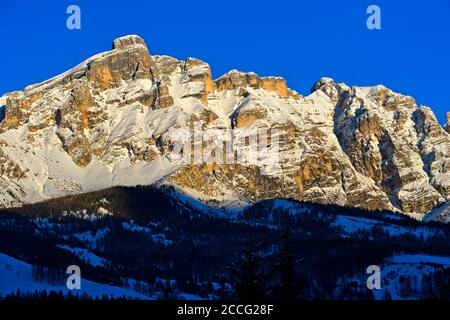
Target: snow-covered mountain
111,121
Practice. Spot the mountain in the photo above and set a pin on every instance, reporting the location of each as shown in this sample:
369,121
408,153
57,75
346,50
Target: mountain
153,242
114,119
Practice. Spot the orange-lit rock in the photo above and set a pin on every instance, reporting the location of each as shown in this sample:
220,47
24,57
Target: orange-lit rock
277,85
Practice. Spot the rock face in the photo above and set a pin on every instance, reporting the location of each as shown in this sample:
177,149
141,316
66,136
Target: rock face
112,120
447,124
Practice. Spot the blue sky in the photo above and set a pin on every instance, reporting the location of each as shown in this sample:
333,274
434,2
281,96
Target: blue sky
301,41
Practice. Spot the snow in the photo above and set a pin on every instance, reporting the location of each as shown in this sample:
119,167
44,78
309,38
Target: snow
85,255
158,238
132,226
61,176
104,212
91,240
191,297
127,124
424,259
15,274
57,79
441,213
355,224
225,199
18,275
411,266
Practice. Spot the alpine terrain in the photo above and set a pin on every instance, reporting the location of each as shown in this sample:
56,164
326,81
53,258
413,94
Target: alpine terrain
88,177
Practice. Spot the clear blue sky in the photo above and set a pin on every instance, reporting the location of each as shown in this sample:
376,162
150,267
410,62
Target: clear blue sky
299,40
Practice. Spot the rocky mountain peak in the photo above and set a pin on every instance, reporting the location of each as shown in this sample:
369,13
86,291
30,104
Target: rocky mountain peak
322,82
111,121
330,88
237,79
128,41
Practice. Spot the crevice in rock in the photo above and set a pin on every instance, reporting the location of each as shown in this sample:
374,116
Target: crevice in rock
58,117
391,181
2,113
427,159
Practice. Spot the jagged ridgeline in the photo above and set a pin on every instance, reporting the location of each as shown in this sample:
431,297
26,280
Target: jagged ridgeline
109,122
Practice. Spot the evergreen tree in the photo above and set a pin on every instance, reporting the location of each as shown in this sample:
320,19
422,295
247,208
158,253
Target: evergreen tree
249,275
289,284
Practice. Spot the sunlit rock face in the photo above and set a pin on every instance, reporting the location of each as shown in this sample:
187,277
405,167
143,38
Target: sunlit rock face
111,121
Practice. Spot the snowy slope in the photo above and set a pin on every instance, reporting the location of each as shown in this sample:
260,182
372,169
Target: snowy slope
412,267
15,274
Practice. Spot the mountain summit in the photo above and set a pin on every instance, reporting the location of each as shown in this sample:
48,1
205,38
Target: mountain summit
110,121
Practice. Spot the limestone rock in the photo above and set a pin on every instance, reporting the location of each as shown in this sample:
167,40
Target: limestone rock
115,120
128,41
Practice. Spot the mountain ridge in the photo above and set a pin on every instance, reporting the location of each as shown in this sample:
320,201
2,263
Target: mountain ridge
110,121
